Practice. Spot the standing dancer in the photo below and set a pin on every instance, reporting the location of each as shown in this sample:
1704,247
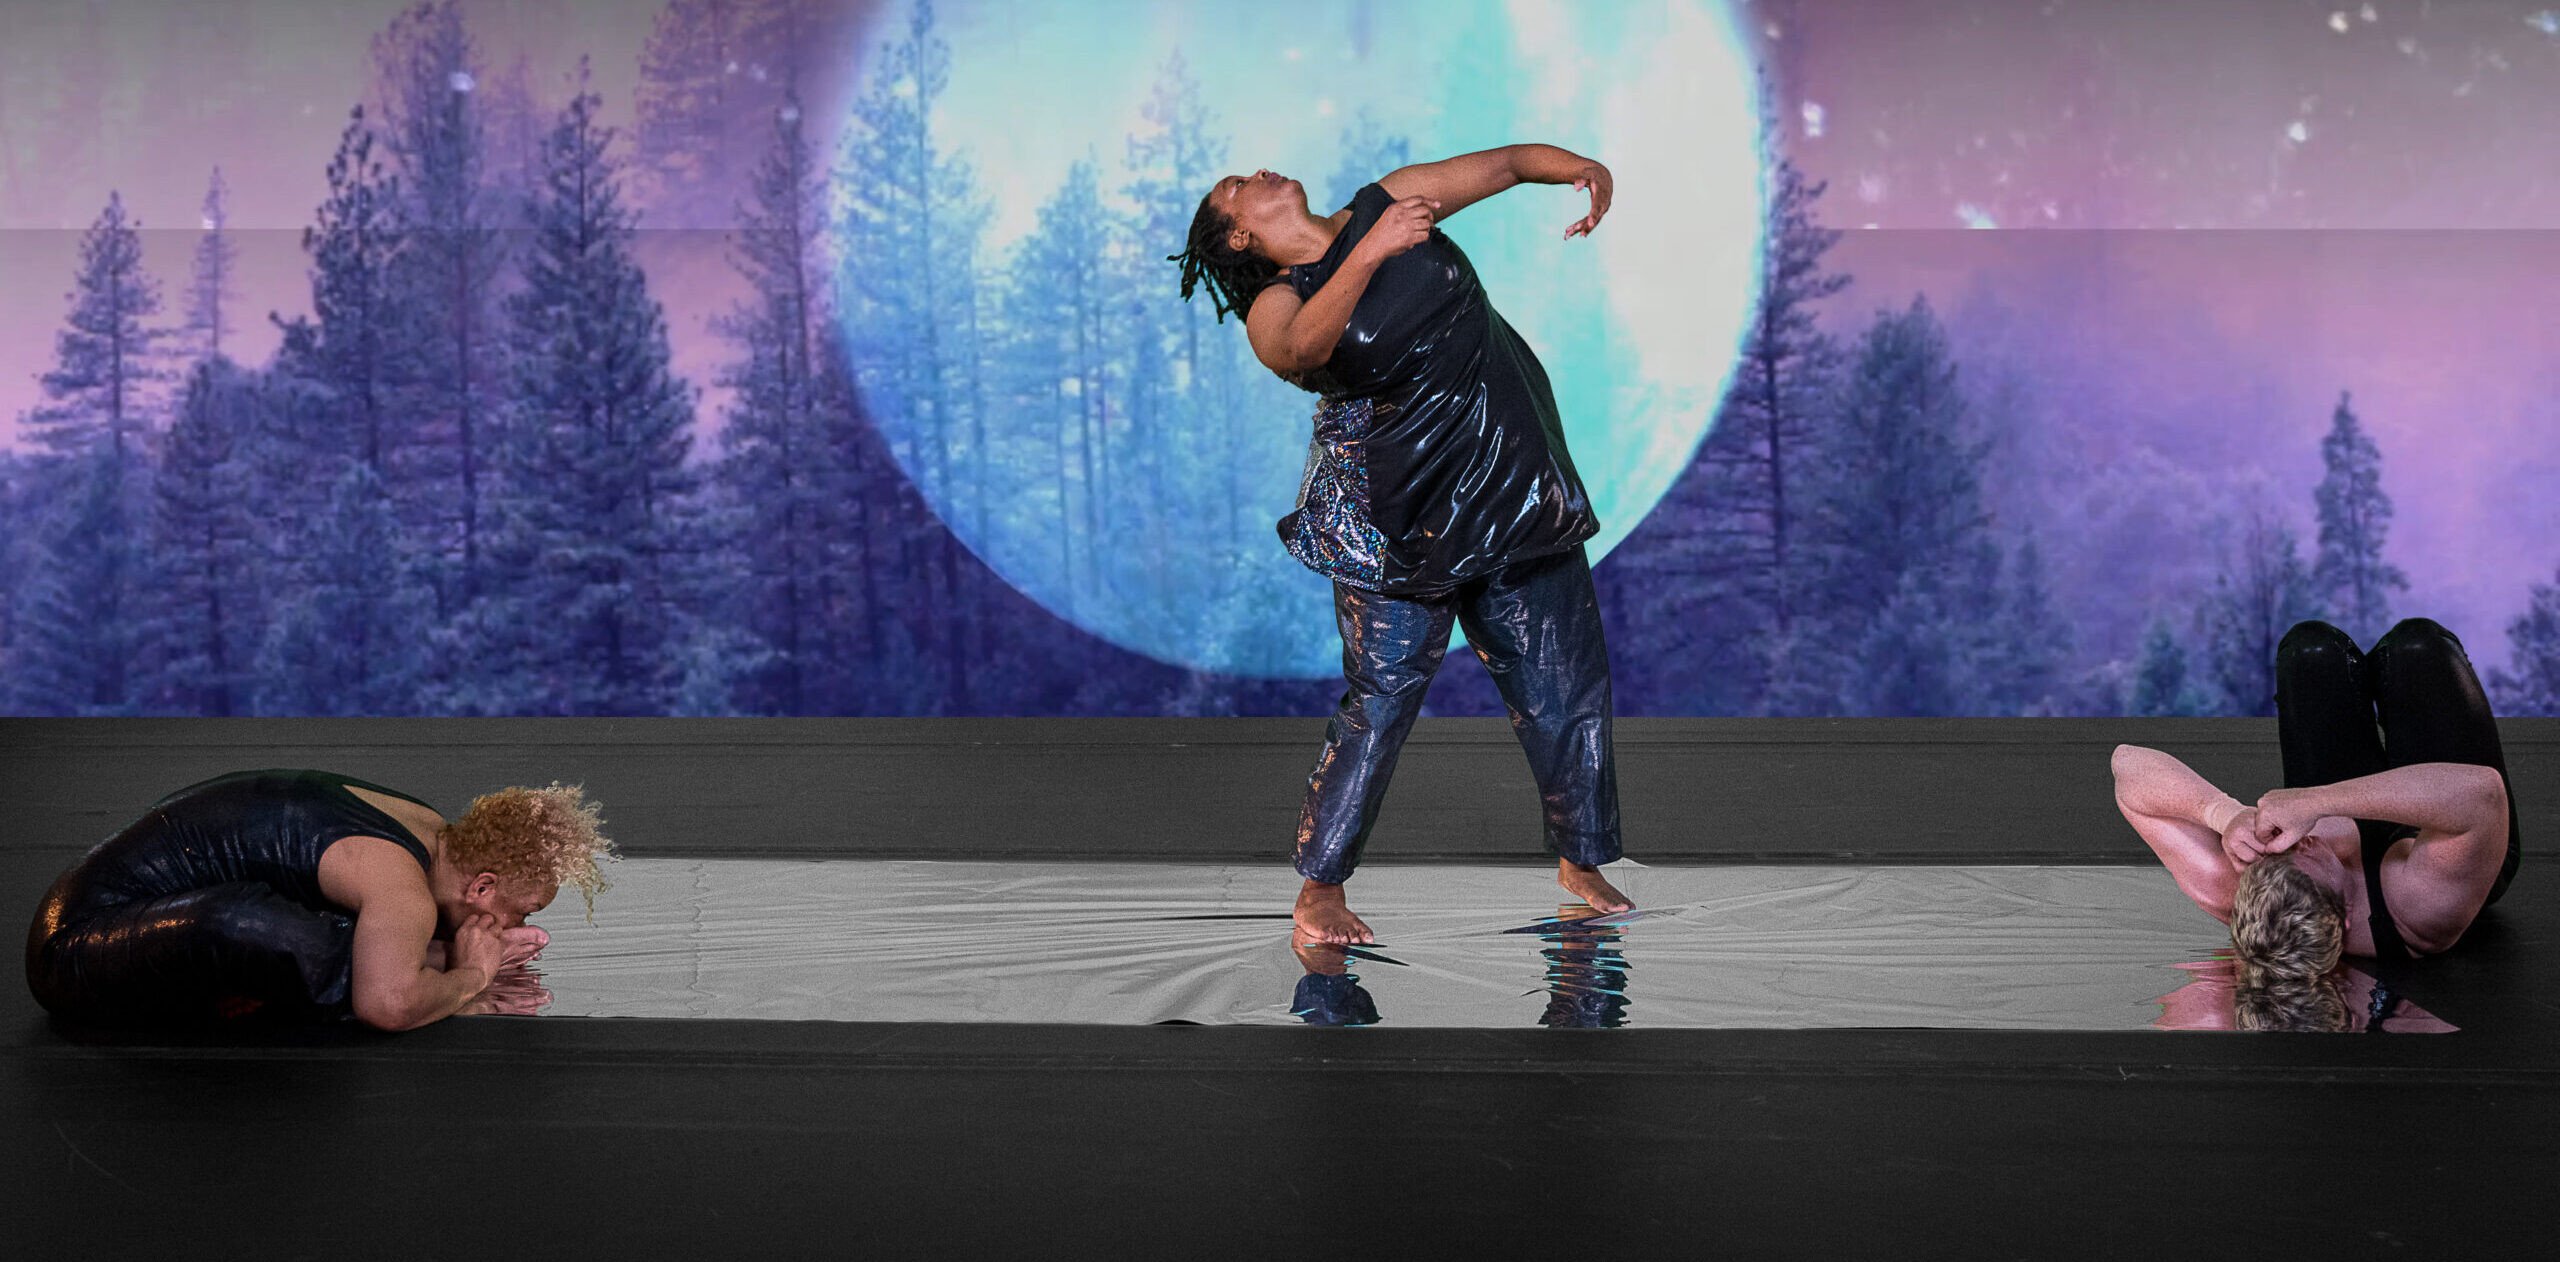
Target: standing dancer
1437,489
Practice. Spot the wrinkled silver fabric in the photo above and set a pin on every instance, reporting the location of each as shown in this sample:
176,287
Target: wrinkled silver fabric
2039,948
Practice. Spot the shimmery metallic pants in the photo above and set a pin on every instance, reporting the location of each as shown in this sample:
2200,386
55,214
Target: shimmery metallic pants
1536,628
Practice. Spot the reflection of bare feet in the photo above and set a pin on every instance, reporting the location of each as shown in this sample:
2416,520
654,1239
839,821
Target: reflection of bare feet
1322,915
1585,882
1316,956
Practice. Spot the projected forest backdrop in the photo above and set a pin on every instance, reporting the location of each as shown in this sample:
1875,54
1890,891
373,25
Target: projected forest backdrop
574,403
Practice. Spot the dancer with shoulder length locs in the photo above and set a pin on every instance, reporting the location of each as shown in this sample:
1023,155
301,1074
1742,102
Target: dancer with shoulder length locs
1437,489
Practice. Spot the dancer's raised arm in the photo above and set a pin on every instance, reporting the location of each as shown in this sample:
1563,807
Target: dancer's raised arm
1459,182
2186,821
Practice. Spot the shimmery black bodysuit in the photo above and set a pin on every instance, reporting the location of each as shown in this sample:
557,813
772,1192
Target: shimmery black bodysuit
1438,453
213,894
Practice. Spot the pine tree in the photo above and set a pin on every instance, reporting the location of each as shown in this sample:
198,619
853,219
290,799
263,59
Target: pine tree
792,478
80,596
1899,524
599,492
202,631
912,216
17,550
1192,391
107,354
2355,516
351,348
444,280
2531,685
2032,643
77,640
1724,556
2161,688
2255,602
1062,368
711,73
216,261
349,643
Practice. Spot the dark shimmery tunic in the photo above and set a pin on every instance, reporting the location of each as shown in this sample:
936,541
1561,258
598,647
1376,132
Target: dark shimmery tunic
1438,455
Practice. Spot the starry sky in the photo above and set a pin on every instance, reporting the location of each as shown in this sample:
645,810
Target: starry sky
2170,232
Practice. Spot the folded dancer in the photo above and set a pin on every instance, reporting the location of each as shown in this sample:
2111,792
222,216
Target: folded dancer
307,895
2394,829
1437,490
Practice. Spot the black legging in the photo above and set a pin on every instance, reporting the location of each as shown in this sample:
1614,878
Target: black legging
2417,683
93,955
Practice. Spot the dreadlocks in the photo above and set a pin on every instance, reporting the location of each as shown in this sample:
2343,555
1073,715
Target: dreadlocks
1233,276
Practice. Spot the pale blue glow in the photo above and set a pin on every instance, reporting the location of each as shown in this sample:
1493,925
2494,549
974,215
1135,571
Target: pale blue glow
1637,325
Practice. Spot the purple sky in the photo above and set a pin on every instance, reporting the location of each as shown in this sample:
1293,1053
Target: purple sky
2261,205
2376,182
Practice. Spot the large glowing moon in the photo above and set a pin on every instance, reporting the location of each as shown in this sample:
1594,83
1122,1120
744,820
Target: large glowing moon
1153,529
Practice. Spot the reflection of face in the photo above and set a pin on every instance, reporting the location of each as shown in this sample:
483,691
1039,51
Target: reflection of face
1254,203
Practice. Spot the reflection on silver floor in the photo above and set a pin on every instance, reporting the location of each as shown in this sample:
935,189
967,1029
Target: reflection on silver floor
2070,948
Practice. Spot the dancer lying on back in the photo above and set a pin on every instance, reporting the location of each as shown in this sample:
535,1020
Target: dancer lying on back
2384,844
310,895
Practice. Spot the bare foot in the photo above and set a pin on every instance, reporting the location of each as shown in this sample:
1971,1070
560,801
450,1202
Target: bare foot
1323,916
1585,882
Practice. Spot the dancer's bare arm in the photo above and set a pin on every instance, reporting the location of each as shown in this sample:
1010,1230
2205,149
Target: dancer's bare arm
1294,338
393,986
2165,801
2434,885
1459,182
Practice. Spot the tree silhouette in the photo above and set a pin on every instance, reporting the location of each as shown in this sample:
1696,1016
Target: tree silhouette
2355,517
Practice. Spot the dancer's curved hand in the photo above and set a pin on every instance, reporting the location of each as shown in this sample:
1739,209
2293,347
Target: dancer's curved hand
2285,816
1399,228
2240,838
478,946
1596,178
523,943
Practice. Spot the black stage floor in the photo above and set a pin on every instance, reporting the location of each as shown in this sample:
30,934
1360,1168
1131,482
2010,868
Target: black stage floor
716,1138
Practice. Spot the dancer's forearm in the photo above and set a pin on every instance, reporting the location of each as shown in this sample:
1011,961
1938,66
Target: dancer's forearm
2440,797
1318,325
1546,164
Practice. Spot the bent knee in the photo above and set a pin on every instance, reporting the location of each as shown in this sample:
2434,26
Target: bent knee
2414,641
2312,639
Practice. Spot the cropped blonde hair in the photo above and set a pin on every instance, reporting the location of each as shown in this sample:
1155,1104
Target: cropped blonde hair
550,836
2285,926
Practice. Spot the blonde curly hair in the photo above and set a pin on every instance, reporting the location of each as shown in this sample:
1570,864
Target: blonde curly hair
550,836
2285,926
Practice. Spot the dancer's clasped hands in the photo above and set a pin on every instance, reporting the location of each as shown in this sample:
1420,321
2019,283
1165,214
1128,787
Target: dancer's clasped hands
2282,818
